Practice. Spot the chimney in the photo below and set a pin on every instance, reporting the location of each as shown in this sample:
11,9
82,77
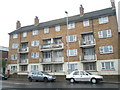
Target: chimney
18,24
81,10
112,3
36,21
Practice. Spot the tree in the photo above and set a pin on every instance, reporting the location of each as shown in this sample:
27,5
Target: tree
3,63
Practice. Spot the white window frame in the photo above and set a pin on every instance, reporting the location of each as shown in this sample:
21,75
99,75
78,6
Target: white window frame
34,32
72,52
34,67
35,55
46,30
13,68
15,45
101,34
103,20
71,38
35,43
15,36
102,49
73,66
14,57
86,23
57,28
71,26
111,65
24,34
47,68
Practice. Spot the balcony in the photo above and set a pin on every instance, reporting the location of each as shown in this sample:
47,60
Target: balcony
84,44
53,60
47,47
23,61
88,58
23,50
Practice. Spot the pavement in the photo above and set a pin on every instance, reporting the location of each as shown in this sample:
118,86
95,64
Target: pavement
61,80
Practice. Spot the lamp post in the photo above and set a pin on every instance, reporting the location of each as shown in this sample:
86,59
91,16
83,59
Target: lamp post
67,40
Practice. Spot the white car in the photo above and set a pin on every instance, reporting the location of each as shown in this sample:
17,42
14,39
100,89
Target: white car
79,75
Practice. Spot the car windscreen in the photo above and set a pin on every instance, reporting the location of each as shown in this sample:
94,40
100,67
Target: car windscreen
89,73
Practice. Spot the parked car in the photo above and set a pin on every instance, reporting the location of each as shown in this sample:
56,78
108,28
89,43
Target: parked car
41,76
3,77
78,75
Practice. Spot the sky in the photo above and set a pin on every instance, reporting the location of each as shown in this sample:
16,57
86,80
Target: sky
46,10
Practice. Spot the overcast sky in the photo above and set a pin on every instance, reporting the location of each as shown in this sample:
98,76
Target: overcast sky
26,10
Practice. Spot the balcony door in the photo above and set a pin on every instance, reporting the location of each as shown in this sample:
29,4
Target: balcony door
88,39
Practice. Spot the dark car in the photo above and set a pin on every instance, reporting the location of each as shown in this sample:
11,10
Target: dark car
41,76
3,77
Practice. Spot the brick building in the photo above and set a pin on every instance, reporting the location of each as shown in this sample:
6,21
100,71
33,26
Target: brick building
88,42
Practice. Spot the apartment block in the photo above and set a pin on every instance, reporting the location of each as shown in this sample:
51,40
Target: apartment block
89,41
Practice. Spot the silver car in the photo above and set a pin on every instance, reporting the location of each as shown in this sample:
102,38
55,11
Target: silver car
41,76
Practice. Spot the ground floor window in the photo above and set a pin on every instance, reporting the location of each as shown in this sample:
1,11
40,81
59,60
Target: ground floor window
58,68
23,68
72,67
89,66
13,68
47,68
34,67
107,65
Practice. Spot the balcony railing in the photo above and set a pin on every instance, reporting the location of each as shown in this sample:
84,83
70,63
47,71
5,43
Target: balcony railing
88,58
51,46
23,50
52,60
23,61
87,43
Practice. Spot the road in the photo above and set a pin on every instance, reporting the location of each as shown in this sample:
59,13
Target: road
9,84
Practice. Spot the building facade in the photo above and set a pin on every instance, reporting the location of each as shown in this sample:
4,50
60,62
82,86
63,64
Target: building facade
88,42
3,55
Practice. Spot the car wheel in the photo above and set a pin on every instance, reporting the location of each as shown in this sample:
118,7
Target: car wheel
93,80
30,79
3,78
72,80
45,80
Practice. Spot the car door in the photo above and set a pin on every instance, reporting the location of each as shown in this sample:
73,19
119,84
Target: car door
40,76
84,76
76,76
34,75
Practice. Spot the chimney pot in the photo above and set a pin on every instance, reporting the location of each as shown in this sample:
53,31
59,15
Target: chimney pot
18,24
81,10
36,20
112,3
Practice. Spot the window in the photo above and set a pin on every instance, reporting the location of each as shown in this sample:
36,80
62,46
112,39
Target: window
35,32
71,38
90,66
34,67
46,30
14,46
46,55
72,52
23,68
15,35
14,57
47,68
35,43
87,39
72,67
58,54
103,20
104,33
57,28
71,25
24,34
106,49
107,65
13,68
35,55
58,67
86,23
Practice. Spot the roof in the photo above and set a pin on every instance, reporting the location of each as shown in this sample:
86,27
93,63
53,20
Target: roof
62,21
2,48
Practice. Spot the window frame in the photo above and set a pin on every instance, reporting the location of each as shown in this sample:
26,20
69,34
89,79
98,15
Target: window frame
34,32
71,25
57,28
46,30
35,55
108,32
103,48
72,52
15,36
86,23
71,38
35,43
111,65
102,19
